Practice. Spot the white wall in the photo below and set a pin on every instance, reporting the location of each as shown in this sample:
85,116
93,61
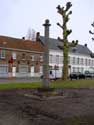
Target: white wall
79,66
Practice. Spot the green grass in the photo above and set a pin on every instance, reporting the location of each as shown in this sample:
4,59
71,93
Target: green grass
88,83
19,85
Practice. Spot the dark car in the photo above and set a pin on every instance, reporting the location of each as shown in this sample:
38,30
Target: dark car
81,76
73,76
77,75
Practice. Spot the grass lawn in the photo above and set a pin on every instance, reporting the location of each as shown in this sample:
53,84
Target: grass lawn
19,85
87,83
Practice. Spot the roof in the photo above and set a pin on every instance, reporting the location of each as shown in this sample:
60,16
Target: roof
22,44
80,49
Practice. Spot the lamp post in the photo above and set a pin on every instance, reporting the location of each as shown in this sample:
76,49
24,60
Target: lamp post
46,54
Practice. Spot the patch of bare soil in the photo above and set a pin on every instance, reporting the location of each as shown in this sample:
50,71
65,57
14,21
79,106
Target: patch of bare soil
31,107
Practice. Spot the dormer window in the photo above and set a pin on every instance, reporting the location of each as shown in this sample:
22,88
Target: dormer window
74,49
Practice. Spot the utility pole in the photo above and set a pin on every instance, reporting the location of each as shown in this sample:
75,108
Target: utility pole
46,54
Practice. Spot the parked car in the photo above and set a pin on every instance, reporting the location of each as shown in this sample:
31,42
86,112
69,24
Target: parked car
77,75
73,76
89,74
81,76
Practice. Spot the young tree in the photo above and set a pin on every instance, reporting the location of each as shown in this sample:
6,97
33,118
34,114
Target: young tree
64,44
31,34
91,31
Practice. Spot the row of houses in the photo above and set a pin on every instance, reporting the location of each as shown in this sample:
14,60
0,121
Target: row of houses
24,58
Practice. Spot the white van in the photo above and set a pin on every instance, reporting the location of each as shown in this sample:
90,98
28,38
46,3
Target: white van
55,74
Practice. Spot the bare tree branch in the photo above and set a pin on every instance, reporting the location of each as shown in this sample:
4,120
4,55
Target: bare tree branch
69,32
92,24
68,6
93,39
91,32
60,25
60,39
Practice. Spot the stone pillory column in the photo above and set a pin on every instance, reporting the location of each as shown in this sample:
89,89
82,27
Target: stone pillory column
46,54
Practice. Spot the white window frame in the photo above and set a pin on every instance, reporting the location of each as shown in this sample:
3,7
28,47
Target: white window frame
41,58
60,59
50,58
5,70
74,60
3,54
33,57
41,69
23,66
14,55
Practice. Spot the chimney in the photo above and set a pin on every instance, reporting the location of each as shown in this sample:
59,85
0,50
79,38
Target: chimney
37,36
85,45
23,38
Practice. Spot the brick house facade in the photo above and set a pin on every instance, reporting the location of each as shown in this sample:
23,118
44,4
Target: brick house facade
20,57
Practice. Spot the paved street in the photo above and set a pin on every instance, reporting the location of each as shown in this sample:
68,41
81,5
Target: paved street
17,80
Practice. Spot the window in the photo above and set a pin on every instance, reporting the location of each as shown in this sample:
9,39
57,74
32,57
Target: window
14,55
50,59
61,59
57,59
23,69
92,62
89,62
2,54
41,58
81,61
74,69
54,59
41,69
33,58
73,60
78,60
82,69
3,69
86,62
70,60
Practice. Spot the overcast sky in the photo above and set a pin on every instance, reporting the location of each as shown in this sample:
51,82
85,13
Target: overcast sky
17,16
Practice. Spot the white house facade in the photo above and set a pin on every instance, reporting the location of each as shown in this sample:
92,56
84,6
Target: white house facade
80,59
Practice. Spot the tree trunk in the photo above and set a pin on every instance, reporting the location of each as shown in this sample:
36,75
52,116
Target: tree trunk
65,64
